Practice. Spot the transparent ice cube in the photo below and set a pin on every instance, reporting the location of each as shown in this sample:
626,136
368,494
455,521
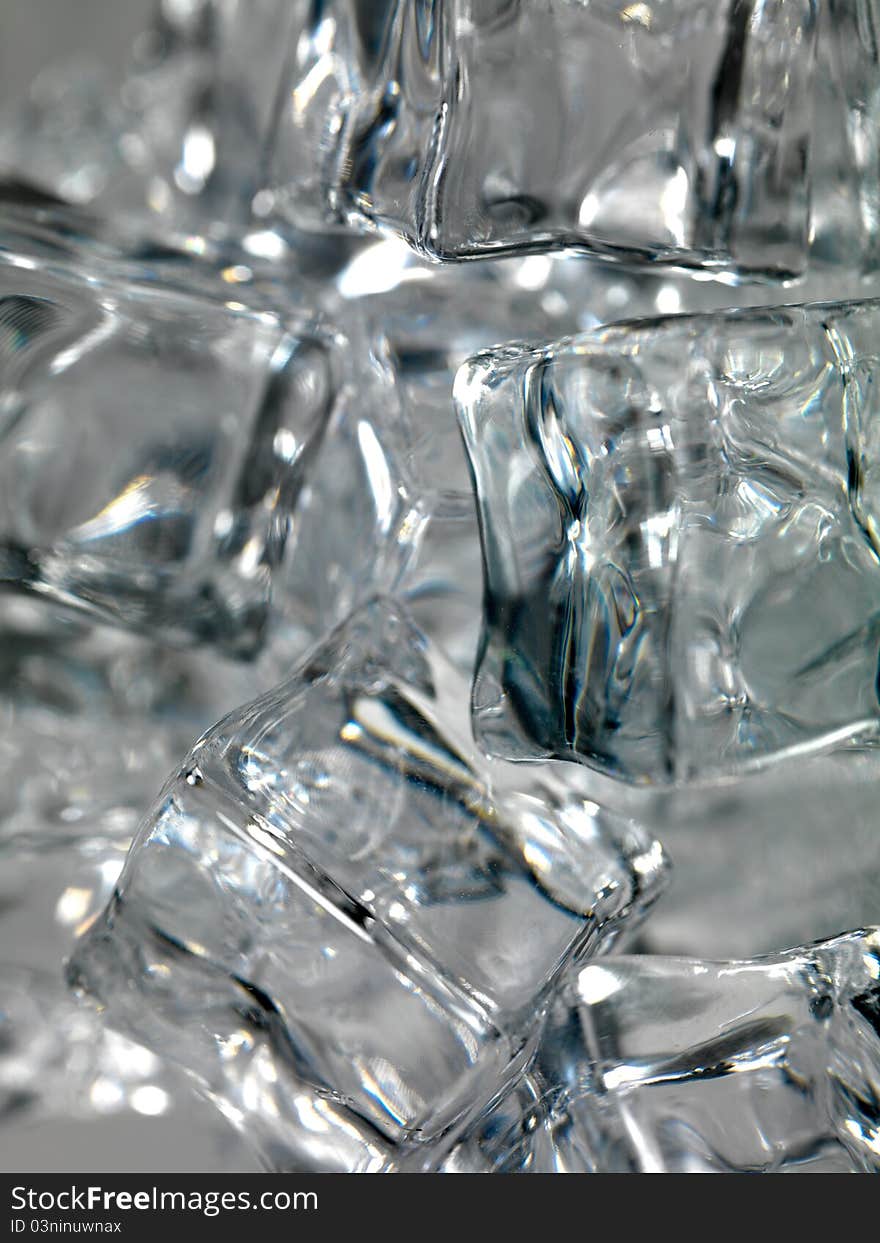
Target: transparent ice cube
681,131
338,906
680,541
667,1065
424,320
152,446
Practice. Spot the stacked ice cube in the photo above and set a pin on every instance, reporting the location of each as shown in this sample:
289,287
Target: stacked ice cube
439,442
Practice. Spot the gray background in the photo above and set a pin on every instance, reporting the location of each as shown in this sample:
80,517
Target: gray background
36,33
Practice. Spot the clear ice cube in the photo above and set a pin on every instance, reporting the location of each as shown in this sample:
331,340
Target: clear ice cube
152,447
338,906
423,320
681,131
390,506
679,527
664,1065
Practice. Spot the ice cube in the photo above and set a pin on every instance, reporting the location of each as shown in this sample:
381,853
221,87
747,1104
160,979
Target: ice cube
338,906
666,1065
152,447
679,132
679,527
762,1065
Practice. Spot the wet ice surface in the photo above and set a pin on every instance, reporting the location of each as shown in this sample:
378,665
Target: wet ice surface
338,896
173,282
718,134
679,527
674,1065
152,449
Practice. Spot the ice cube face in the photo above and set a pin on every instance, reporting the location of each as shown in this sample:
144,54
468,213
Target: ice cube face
766,1065
338,890
672,1065
679,527
674,131
152,447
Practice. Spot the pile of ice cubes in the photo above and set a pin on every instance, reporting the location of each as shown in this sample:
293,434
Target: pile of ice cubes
437,521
